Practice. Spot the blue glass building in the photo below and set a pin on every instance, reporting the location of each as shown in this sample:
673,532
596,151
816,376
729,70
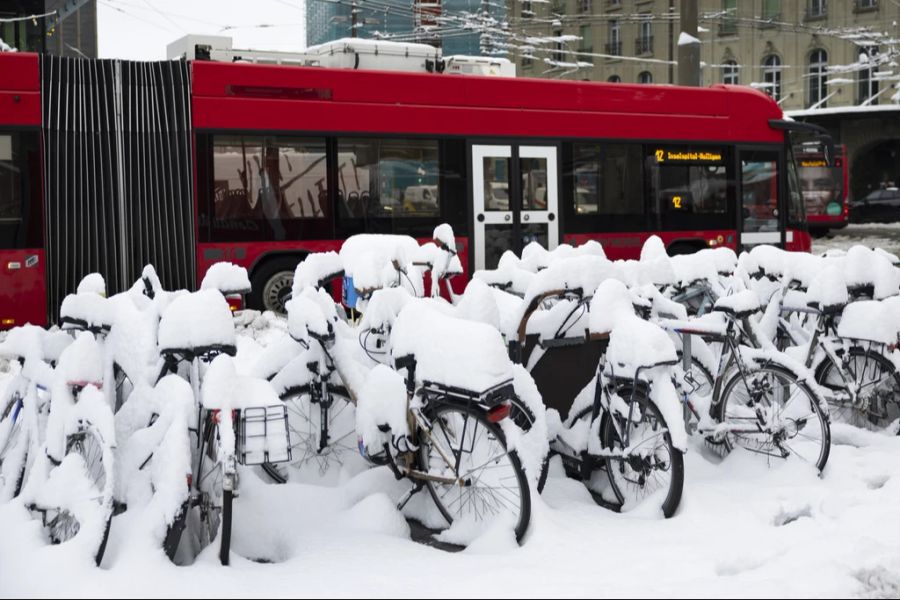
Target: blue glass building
329,20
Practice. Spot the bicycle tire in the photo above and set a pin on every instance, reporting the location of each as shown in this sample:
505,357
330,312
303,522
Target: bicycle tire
729,398
438,414
622,472
869,419
524,418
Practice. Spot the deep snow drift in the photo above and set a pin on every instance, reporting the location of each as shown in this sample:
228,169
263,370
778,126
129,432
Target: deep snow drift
742,529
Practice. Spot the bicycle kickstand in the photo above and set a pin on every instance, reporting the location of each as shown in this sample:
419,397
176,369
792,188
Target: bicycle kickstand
415,489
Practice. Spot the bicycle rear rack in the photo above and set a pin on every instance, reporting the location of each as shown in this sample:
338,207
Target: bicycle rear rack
263,435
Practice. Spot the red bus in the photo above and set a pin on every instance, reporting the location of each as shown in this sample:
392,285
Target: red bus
107,165
825,185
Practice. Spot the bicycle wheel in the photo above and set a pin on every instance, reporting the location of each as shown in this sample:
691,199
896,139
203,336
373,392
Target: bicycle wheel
773,413
13,448
524,418
85,452
878,382
494,485
312,454
214,502
644,462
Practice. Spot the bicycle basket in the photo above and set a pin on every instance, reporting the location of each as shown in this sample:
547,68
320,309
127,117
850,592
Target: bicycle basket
263,435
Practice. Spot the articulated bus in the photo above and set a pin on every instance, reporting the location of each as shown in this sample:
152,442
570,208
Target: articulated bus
106,165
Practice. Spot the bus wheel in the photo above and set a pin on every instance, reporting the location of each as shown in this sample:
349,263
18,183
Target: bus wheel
272,283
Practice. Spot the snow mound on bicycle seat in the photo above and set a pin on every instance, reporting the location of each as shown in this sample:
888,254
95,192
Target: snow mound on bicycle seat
443,233
478,303
196,320
367,257
449,350
93,283
870,320
866,267
23,342
381,401
314,269
508,276
611,302
828,288
91,309
637,344
745,301
224,388
82,361
226,277
310,313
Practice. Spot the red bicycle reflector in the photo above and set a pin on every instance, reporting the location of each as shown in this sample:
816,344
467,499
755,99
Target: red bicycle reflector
498,413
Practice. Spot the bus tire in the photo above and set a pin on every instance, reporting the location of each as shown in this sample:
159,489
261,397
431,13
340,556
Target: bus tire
272,281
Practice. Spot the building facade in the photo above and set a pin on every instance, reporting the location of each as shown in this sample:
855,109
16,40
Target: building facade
74,34
448,23
825,61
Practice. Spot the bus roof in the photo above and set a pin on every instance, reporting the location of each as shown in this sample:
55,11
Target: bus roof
269,98
249,96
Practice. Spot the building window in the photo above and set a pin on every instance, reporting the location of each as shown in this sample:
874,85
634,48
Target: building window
818,64
865,5
527,9
730,72
728,26
772,76
771,9
585,6
816,9
868,87
558,55
644,42
614,79
586,47
645,77
614,45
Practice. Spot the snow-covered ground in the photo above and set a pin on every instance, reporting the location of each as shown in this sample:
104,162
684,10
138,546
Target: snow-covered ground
743,529
873,235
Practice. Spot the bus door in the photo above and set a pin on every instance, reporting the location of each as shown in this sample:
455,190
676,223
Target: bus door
515,198
22,289
761,206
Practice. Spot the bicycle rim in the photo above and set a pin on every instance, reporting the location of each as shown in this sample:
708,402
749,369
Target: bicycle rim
649,466
878,402
495,487
772,413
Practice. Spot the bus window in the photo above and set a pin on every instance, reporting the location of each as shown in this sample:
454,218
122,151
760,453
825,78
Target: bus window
690,187
388,178
797,197
534,183
20,203
267,188
759,178
604,188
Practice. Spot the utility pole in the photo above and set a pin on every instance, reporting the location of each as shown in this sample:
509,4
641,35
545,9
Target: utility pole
671,41
688,45
353,10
